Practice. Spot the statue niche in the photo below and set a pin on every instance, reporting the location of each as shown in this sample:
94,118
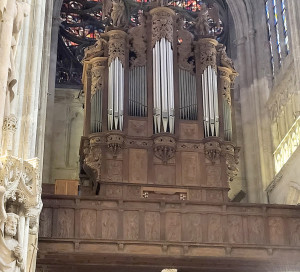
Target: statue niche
11,257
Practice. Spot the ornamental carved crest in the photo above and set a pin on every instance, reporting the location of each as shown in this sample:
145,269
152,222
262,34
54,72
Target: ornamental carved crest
164,148
206,53
116,46
162,25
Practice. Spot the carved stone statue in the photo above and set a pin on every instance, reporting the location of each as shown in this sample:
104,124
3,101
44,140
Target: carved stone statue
118,14
11,257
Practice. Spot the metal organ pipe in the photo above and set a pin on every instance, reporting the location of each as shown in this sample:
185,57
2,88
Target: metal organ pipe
163,86
210,102
115,95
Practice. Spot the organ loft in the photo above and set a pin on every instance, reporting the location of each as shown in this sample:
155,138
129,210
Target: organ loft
158,109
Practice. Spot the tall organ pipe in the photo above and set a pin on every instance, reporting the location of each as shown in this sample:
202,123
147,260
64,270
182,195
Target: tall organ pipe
115,95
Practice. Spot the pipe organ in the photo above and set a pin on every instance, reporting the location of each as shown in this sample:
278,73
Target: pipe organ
158,111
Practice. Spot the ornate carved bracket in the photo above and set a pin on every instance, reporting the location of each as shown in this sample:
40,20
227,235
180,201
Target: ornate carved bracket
231,154
164,148
115,143
212,151
92,161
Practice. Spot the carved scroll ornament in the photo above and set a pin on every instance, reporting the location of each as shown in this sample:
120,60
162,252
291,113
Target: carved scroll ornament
162,24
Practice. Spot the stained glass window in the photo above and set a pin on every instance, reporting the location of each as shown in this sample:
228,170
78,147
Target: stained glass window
276,17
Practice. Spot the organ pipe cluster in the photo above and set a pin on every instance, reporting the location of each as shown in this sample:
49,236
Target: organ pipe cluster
162,77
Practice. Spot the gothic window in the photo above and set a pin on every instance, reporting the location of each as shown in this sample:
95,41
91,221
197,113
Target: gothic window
276,16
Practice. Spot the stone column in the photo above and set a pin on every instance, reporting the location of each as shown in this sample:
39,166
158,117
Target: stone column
6,30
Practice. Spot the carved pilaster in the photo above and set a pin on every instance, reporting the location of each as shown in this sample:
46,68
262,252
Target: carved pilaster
162,24
117,46
206,54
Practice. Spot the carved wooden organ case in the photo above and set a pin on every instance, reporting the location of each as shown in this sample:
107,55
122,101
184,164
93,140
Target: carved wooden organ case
158,113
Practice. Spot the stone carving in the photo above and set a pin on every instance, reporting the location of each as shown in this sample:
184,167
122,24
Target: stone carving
164,148
92,160
98,49
206,54
162,24
185,48
212,151
11,258
137,39
231,155
116,46
115,143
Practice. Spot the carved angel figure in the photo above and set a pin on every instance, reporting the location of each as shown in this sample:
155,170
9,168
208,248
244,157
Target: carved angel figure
202,25
98,49
224,59
118,14
11,257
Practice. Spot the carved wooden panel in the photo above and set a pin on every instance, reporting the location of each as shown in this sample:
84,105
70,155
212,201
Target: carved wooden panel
190,169
138,165
131,225
113,191
213,173
192,228
137,128
88,221
235,229
152,226
214,196
114,170
109,224
164,174
133,192
45,228
189,131
256,230
294,232
173,226
64,226
214,233
276,231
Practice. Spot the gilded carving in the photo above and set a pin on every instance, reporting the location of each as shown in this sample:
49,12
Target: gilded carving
98,49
